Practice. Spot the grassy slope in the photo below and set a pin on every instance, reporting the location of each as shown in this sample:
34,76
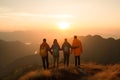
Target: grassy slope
88,72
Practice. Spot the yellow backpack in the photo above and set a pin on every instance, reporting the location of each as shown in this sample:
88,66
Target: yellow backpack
43,52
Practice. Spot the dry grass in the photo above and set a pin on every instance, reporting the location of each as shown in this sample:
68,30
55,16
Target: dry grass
111,72
36,74
88,71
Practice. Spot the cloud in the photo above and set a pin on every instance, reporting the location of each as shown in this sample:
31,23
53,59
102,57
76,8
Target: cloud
26,14
4,10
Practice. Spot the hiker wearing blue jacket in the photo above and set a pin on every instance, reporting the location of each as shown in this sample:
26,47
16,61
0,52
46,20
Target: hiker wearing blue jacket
55,50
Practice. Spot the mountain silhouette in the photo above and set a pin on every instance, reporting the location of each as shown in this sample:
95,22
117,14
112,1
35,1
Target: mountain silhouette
20,63
95,49
100,50
12,50
19,58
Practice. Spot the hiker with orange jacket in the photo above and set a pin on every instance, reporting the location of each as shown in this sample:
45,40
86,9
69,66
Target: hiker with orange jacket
77,50
44,48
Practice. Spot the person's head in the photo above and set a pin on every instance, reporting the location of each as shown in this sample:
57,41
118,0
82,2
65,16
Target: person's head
75,37
55,41
65,39
44,40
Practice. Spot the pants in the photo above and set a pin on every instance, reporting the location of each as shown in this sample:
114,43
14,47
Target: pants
66,59
56,61
77,60
45,62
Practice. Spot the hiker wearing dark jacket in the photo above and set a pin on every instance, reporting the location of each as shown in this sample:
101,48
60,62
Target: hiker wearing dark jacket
66,47
55,50
44,48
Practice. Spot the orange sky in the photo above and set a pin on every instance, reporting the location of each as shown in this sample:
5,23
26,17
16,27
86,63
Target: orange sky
83,16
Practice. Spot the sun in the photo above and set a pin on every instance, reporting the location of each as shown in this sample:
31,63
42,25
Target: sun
63,25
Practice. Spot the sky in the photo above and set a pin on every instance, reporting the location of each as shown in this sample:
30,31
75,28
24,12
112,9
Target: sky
81,16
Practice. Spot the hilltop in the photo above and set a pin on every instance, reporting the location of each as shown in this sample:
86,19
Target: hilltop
88,71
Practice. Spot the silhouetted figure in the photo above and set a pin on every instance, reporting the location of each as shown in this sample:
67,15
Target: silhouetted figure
55,50
66,50
77,50
44,48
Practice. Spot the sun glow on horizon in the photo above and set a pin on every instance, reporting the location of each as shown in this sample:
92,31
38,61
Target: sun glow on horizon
63,25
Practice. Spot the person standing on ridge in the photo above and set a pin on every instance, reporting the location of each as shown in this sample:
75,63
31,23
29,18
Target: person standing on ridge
77,50
55,50
44,48
66,50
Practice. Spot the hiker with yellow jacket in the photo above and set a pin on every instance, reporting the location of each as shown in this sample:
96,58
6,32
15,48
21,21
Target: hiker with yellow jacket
44,48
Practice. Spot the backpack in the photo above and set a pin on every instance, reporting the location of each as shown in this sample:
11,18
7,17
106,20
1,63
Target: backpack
55,51
66,48
43,52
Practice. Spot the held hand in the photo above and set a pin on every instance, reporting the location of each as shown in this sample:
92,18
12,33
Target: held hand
74,47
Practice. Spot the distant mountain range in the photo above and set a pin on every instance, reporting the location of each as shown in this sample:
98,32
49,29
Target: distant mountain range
31,36
16,54
22,36
100,50
12,50
95,49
